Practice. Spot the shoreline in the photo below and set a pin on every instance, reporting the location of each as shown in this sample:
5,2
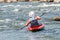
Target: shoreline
32,2
12,1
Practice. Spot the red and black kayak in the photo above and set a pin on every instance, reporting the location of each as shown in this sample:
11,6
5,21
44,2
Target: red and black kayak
36,27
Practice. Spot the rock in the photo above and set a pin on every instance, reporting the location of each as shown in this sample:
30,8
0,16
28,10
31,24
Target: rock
56,18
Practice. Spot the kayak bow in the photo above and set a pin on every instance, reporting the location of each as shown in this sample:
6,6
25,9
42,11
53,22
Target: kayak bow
36,27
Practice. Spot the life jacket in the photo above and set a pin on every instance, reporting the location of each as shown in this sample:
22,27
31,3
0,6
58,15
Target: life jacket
33,22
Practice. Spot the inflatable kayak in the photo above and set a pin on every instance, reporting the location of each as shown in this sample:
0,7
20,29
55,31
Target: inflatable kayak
35,27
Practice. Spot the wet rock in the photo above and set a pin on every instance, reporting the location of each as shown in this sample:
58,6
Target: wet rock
56,18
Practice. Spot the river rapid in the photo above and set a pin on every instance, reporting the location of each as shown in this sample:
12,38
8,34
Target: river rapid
13,16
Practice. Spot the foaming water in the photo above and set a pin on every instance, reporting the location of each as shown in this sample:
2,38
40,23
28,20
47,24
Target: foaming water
13,16
16,10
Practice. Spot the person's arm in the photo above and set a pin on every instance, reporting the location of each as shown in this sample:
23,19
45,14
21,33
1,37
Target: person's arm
27,23
38,18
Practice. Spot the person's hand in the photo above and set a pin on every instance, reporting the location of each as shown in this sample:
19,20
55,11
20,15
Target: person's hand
26,25
38,18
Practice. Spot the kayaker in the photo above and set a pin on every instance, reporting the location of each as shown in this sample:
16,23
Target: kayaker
32,21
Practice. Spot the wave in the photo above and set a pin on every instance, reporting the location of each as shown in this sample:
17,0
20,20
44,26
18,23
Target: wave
5,20
2,20
46,5
8,6
15,10
4,26
31,5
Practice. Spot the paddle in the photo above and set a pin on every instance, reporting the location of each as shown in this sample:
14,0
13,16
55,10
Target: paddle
22,27
25,26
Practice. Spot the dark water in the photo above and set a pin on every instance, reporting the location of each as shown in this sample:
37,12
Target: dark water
13,16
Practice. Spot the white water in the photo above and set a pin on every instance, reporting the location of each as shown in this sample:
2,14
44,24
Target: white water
14,16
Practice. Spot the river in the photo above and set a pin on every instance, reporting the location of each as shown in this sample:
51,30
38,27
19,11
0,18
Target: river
13,16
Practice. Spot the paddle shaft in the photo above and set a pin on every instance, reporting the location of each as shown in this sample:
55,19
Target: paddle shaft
22,27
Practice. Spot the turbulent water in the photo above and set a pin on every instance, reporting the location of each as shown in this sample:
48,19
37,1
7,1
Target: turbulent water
13,16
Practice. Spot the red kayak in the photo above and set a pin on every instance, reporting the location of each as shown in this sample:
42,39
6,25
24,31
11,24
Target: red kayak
36,27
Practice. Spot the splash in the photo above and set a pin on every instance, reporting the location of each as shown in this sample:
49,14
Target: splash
16,10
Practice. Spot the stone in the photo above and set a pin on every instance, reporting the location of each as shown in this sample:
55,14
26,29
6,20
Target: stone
56,18
1,0
56,0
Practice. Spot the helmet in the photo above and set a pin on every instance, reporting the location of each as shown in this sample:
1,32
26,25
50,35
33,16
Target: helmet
31,14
